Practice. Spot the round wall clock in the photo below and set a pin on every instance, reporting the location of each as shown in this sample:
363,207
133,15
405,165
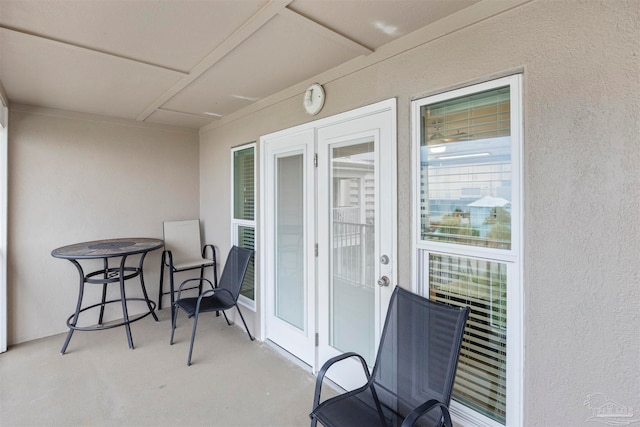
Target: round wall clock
313,99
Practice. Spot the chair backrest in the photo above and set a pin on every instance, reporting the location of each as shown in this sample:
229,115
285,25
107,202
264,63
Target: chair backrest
182,238
235,267
419,350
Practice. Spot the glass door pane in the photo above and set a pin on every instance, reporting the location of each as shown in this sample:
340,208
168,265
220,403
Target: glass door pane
352,222
289,236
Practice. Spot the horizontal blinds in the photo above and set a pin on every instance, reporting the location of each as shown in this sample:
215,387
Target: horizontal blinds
481,285
477,116
246,239
244,211
244,184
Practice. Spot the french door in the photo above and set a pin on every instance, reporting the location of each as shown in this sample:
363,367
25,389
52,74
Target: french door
329,251
356,194
289,255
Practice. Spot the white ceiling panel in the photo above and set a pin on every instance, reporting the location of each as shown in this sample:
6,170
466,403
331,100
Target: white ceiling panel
173,33
43,73
177,118
270,61
374,23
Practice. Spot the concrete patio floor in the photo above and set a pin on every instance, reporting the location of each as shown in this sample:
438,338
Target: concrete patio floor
101,382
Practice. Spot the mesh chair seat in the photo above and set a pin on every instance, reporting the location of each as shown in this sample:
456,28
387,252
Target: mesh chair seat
219,301
412,378
356,409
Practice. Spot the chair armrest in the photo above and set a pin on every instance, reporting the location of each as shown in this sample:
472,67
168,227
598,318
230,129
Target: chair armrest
427,406
167,258
213,252
215,262
213,290
322,372
191,280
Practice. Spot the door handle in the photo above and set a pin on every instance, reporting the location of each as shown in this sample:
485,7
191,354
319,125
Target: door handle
384,281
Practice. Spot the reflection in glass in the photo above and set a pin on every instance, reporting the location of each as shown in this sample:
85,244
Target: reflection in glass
352,277
289,250
465,170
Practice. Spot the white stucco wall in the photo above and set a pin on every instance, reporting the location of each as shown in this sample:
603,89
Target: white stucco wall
580,62
75,178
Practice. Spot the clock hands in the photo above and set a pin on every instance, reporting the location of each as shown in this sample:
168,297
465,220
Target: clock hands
313,98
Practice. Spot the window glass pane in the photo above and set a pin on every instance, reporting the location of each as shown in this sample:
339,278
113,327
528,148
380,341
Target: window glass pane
289,244
482,369
352,239
243,188
465,170
246,239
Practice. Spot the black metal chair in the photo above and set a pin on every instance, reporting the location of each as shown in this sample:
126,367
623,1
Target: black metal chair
414,371
183,251
220,298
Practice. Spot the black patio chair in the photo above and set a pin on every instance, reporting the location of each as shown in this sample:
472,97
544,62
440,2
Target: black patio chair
220,298
413,374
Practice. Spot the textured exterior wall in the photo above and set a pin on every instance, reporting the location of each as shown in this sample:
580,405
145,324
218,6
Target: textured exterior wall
580,61
79,178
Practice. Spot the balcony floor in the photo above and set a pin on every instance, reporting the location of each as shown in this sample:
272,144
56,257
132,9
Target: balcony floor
99,381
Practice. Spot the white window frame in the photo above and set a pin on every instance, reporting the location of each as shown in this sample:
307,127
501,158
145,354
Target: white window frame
235,223
462,414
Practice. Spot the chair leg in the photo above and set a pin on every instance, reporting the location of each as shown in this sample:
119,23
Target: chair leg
173,324
245,323
225,318
161,282
201,279
173,308
193,336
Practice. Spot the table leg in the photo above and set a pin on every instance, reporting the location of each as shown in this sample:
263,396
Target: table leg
74,322
144,289
123,295
104,290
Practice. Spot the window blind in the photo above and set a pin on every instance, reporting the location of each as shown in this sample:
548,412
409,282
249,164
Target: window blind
481,285
244,184
243,222
246,239
476,116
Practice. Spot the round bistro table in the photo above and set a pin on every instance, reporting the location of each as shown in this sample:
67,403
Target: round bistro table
105,250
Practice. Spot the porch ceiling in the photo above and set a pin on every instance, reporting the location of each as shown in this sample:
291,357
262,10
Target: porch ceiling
189,63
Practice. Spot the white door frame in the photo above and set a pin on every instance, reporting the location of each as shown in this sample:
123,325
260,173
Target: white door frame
4,138
389,104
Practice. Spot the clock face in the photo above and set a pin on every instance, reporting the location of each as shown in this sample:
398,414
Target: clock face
313,99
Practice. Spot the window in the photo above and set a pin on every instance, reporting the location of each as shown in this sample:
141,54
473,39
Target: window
243,223
467,238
